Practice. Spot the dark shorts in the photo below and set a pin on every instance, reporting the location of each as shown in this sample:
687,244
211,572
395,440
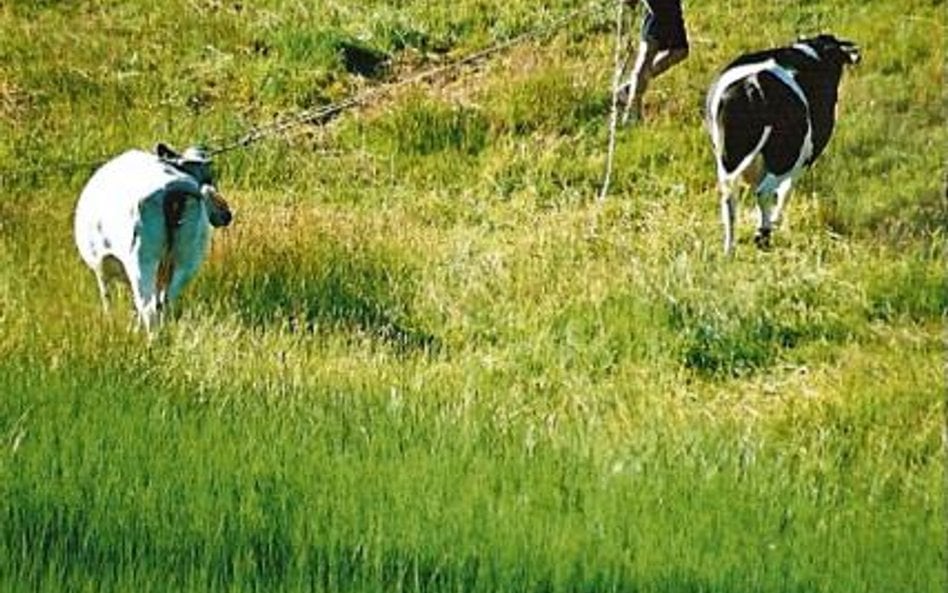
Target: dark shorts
665,25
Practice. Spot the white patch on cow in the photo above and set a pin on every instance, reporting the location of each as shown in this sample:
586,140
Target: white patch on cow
735,75
743,71
121,231
731,176
806,49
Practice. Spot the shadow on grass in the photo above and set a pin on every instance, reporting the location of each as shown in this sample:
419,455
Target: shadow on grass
52,542
359,58
324,287
913,288
737,341
898,222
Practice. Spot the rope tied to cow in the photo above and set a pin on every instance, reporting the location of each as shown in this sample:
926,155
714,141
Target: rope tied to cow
324,113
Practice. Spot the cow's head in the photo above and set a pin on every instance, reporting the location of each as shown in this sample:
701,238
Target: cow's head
833,50
194,161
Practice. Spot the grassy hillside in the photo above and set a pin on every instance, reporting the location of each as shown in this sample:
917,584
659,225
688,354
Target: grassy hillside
424,358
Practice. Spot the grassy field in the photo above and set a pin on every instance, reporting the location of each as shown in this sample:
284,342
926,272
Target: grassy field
425,359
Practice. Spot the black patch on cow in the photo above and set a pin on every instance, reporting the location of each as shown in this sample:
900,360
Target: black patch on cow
787,115
748,107
821,85
819,79
165,152
787,57
741,120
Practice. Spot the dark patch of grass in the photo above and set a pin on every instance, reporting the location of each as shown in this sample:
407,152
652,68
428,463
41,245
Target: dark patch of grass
734,339
914,289
718,344
330,48
340,288
359,58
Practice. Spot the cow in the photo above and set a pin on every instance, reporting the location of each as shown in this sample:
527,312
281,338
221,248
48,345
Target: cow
776,108
146,217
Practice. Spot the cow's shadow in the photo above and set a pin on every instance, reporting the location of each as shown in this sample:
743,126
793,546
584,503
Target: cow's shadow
334,289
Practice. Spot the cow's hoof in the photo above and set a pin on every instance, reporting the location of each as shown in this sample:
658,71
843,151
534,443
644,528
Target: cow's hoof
762,239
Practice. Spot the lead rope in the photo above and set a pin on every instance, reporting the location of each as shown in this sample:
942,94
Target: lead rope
324,113
614,110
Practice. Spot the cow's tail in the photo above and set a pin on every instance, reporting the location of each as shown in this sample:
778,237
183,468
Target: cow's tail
173,210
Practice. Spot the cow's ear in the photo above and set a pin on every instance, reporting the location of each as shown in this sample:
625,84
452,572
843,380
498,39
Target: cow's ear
851,51
165,152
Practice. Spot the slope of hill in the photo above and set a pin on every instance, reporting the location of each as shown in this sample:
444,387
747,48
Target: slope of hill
425,358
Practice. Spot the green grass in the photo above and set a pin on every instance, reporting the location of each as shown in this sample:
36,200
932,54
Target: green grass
425,359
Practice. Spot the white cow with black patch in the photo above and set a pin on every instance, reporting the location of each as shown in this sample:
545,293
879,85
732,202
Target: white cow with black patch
146,218
777,106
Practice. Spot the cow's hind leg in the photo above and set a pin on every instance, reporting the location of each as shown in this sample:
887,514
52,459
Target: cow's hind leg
187,252
771,186
728,208
784,158
179,279
146,298
142,271
764,194
739,156
783,193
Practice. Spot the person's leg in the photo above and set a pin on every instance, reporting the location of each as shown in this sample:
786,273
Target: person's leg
666,59
664,44
635,88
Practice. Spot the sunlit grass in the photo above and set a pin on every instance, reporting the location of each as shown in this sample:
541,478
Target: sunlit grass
426,359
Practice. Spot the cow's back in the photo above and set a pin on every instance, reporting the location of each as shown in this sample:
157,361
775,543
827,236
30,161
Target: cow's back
115,200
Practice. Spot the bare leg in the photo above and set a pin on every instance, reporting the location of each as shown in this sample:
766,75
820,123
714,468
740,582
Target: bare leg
638,81
650,62
666,59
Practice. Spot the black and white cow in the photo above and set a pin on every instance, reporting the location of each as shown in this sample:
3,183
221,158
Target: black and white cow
778,106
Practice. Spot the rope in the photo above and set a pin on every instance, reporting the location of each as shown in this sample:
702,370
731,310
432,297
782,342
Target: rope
323,114
614,109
